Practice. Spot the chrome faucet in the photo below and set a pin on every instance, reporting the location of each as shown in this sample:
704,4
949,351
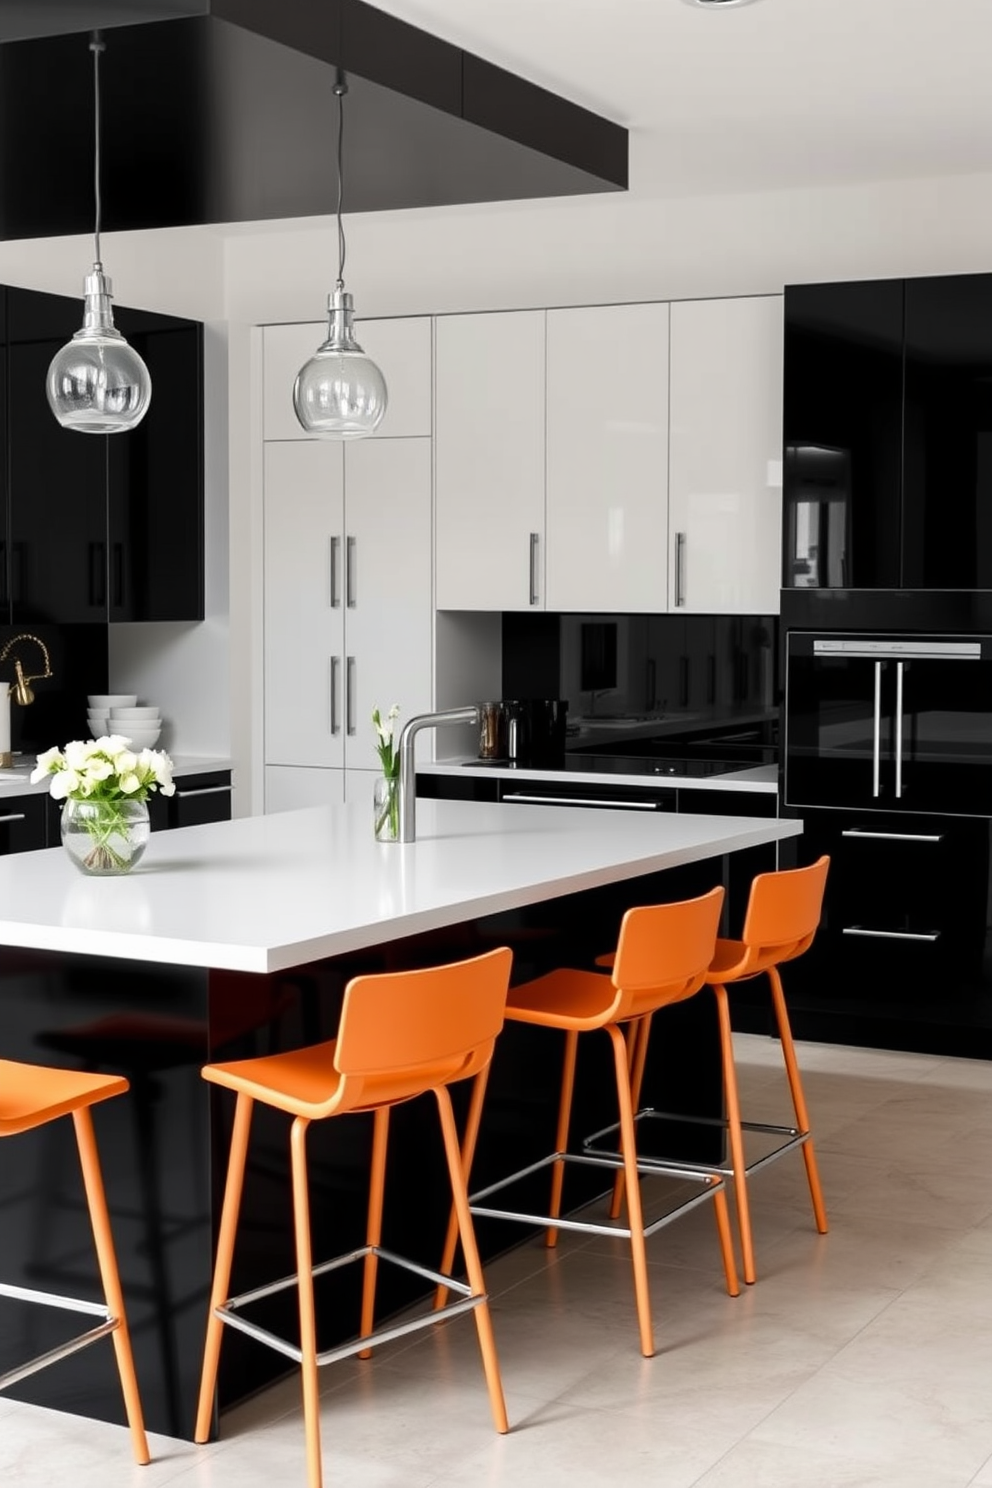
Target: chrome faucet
408,779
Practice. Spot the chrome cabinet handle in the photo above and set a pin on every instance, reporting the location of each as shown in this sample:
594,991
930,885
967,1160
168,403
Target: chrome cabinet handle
335,666
893,836
899,671
335,565
350,572
679,568
349,694
877,745
535,548
203,790
529,800
927,935
13,816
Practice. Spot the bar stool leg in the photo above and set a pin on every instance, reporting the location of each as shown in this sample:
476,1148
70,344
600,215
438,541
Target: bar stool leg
737,1159
635,1213
798,1098
96,1200
373,1229
472,1124
561,1138
637,1053
473,1265
220,1290
304,1281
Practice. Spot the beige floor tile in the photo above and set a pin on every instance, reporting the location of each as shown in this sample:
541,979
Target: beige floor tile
760,1464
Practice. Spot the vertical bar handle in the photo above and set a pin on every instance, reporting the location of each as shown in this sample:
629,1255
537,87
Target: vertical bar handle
349,694
899,671
535,553
350,572
335,562
335,666
876,760
679,568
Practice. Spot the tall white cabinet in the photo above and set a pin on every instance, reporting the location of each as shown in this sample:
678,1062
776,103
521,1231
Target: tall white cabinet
725,463
347,572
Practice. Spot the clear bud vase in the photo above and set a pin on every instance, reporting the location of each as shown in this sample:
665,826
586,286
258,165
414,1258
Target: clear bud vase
386,808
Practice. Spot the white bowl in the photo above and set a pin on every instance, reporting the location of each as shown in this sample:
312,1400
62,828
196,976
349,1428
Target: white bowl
98,726
141,738
101,702
135,715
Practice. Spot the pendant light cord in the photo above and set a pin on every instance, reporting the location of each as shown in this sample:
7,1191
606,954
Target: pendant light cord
97,45
340,89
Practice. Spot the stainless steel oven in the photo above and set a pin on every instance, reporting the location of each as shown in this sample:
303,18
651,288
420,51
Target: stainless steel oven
889,722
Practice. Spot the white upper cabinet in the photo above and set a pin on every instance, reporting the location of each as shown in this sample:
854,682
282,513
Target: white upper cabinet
401,349
607,458
489,461
725,470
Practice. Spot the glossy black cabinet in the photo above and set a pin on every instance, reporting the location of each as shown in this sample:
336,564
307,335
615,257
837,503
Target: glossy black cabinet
101,527
842,426
947,463
198,799
903,956
22,823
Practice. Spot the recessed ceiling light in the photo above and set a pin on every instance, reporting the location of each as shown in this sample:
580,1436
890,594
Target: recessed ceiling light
718,4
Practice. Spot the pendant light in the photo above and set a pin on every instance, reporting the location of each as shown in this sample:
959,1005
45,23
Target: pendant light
97,383
340,392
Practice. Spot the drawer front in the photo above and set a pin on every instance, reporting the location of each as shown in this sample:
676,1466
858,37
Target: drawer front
198,799
22,823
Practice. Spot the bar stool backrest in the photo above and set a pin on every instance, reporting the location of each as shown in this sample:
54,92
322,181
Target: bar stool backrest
408,1031
783,913
664,951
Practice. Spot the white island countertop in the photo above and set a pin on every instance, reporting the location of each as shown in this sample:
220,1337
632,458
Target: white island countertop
264,893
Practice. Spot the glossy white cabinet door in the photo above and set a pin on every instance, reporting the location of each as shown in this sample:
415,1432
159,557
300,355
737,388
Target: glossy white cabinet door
489,461
304,603
388,613
401,349
290,787
607,495
725,471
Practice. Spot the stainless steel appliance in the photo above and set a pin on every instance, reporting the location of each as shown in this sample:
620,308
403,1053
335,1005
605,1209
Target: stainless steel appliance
890,722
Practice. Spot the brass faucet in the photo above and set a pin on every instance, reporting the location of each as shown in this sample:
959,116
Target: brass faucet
20,689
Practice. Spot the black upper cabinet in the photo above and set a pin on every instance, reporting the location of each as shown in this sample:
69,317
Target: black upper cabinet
947,491
888,434
842,420
102,527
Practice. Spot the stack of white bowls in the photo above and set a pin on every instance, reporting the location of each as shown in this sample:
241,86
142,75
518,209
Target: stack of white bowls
118,713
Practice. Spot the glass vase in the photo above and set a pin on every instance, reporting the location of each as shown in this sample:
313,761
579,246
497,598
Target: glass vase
386,808
105,837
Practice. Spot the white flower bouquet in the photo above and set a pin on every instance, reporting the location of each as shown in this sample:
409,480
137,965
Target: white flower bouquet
387,803
109,777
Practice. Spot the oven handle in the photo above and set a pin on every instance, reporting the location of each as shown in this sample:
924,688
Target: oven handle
899,670
524,798
893,836
876,760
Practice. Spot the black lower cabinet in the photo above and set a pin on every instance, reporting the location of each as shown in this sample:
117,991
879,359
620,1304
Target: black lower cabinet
22,823
903,956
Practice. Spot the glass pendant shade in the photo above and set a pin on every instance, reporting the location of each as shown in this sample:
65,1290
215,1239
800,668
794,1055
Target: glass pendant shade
97,383
340,392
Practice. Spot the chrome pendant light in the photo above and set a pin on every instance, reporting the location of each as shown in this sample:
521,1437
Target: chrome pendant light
340,392
97,383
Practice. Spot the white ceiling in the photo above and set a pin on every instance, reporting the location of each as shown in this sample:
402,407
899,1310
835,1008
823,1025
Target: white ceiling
777,94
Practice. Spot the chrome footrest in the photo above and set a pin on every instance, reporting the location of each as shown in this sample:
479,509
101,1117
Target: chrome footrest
229,1311
61,1350
791,1137
710,1183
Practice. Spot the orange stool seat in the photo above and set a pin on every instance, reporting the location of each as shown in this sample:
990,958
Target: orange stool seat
33,1095
661,958
401,1034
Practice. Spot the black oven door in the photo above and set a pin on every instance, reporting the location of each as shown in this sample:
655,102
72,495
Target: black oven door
893,723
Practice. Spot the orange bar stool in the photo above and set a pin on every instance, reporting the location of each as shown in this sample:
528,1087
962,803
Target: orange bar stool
32,1095
401,1034
783,914
662,957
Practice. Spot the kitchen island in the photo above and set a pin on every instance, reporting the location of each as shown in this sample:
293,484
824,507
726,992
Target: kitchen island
238,938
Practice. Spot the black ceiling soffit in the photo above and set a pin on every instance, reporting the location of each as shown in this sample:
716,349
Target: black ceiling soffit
222,111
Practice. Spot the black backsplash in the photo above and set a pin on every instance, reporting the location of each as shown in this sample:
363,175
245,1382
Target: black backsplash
79,664
711,673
